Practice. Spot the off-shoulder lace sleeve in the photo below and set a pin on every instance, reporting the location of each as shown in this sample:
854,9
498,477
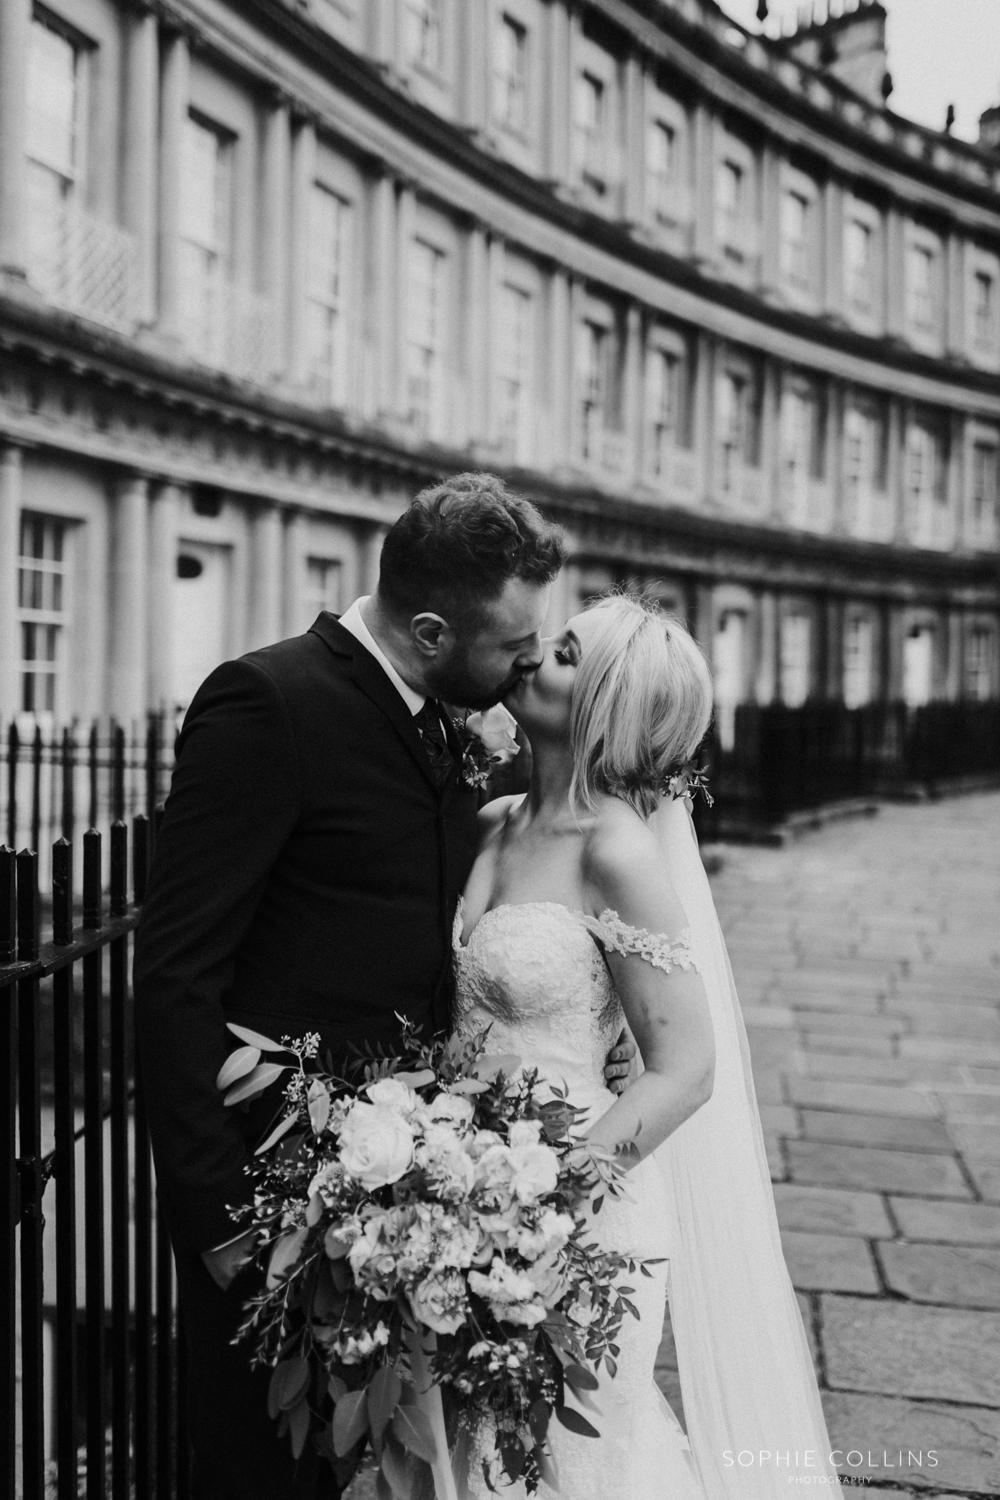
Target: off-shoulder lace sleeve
655,947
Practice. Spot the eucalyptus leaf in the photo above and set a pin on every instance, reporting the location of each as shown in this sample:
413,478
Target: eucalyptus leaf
412,1426
263,1075
573,1421
298,1427
350,1421
282,1128
384,1391
284,1255
237,1065
254,1038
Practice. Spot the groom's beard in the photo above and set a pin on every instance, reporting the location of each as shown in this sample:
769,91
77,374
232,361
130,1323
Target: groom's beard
458,682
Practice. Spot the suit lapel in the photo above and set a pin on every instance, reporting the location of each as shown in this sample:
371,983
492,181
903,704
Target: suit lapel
375,685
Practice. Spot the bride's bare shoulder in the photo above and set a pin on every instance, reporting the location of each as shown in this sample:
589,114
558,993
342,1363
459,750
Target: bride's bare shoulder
493,815
619,844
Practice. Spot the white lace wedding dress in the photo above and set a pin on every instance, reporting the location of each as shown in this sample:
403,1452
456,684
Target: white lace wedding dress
535,975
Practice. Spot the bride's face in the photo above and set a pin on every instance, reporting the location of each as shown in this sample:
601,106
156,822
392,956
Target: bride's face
541,700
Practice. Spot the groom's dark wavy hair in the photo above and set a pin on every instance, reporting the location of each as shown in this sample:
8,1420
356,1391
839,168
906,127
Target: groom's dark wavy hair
455,547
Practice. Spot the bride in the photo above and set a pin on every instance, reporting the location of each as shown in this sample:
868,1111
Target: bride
588,902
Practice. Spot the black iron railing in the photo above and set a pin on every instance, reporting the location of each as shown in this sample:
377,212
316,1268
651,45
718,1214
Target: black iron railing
786,760
89,1349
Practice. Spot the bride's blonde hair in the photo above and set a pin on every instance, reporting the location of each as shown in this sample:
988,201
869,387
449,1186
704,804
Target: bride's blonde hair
642,701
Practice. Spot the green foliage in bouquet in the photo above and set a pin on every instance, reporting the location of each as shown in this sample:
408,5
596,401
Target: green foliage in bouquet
427,1224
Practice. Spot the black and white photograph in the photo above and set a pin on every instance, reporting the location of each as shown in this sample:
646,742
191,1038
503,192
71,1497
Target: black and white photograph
499,749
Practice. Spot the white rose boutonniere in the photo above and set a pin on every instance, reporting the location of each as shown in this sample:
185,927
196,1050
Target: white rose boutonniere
488,741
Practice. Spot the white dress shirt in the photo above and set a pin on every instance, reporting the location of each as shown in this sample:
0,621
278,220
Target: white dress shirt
352,620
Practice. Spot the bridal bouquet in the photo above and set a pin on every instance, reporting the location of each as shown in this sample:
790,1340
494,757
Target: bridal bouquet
425,1230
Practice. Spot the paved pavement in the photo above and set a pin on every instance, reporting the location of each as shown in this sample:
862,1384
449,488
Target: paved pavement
867,957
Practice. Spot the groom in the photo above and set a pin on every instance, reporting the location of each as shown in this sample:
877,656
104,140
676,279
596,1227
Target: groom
318,832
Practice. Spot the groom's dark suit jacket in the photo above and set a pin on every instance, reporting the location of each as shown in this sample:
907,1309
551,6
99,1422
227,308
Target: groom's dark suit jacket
305,879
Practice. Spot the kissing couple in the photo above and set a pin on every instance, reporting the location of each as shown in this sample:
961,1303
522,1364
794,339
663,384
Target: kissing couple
324,866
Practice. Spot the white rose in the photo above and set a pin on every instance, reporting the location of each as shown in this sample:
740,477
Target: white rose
389,1093
526,1314
376,1145
550,1233
439,1301
496,727
536,1172
503,1284
525,1133
450,1170
450,1109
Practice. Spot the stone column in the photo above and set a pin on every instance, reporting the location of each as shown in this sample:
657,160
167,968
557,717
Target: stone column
274,220
405,214
11,480
704,183
164,516
303,177
370,551
140,165
573,415
554,432
635,140
955,338
381,334
632,388
769,431
293,621
895,273
474,52
128,686
266,569
833,456
894,468
557,98
832,248
174,95
955,485
15,22
704,414
770,250
478,348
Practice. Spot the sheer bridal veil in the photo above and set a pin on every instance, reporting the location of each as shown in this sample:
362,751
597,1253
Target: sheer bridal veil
754,1417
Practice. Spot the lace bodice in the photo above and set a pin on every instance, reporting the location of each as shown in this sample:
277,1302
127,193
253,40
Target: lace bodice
533,973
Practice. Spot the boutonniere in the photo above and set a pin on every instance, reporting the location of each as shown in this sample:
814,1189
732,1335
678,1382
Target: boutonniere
488,741
688,781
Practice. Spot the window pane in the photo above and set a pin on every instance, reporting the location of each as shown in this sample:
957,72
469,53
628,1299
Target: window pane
51,99
511,74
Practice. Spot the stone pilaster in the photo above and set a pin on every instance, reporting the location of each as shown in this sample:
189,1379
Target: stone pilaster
128,687
275,244
174,95
303,178
164,515
140,144
15,21
266,570
11,484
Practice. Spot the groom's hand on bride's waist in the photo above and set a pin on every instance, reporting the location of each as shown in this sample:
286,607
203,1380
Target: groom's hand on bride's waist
618,1068
226,1261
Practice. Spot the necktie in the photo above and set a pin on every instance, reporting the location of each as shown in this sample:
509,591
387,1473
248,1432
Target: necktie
432,735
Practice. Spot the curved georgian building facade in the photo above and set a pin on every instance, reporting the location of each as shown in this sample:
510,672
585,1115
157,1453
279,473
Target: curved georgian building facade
269,266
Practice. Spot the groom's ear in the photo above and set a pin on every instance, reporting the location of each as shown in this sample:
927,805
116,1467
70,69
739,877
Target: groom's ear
430,634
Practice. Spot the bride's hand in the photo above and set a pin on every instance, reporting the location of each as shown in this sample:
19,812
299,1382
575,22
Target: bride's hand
618,1068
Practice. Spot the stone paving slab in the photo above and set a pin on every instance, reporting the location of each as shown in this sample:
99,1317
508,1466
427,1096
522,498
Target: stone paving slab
878,1168
953,1447
831,1210
869,1098
829,1262
959,1275
901,1349
933,1219
874,1130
